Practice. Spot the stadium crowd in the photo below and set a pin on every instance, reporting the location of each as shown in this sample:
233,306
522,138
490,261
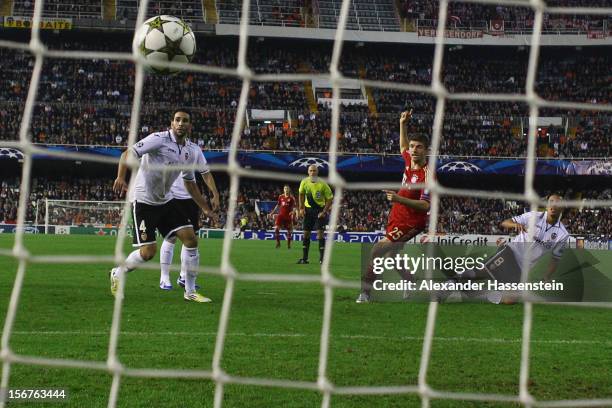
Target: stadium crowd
464,15
272,13
360,210
60,8
88,101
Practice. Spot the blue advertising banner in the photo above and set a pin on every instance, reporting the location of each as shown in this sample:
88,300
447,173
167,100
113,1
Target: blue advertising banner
359,163
357,237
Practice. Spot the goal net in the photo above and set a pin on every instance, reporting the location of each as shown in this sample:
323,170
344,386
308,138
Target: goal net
217,373
80,213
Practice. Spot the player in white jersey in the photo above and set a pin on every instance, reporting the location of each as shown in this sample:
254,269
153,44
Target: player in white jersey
184,201
152,205
549,235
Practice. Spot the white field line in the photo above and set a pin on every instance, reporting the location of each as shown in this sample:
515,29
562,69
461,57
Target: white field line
315,335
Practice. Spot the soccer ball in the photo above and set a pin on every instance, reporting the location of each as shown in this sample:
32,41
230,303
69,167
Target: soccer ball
163,39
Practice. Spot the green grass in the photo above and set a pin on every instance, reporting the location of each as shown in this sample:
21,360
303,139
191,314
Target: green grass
65,311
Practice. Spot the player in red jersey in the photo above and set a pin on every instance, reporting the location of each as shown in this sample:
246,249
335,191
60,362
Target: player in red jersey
408,216
284,219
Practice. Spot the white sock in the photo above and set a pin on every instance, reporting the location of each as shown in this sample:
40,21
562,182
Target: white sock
190,260
494,296
133,260
165,260
183,269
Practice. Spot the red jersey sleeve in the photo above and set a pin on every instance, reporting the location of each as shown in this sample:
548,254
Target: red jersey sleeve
407,157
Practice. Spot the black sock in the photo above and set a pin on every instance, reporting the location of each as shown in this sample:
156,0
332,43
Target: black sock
321,248
305,248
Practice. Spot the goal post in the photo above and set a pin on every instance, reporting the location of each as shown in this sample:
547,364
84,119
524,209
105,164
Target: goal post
82,213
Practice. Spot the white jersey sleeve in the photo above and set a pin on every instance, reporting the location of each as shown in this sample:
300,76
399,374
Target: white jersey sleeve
187,175
202,163
149,144
193,158
523,219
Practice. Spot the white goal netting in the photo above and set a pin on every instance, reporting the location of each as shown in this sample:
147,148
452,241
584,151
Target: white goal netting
217,374
60,213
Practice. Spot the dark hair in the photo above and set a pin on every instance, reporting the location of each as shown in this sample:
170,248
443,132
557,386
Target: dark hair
184,110
419,138
554,194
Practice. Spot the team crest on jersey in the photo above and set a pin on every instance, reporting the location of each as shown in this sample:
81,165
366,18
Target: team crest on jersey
143,236
186,155
414,179
553,235
139,144
318,194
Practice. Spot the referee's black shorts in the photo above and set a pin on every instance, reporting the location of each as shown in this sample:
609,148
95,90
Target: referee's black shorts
312,222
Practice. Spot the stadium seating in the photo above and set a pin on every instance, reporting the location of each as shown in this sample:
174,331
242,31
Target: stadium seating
188,10
85,102
289,13
86,9
516,19
366,15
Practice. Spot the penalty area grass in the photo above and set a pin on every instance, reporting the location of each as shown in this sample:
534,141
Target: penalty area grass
274,331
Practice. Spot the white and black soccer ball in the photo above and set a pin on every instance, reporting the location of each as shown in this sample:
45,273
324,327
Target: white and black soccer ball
459,167
163,39
307,161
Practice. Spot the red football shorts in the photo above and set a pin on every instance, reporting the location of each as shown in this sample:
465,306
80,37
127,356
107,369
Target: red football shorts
397,232
284,221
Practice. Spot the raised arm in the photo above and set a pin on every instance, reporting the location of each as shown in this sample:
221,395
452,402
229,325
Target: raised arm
404,119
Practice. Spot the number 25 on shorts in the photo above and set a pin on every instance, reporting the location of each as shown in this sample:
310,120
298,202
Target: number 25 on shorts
396,233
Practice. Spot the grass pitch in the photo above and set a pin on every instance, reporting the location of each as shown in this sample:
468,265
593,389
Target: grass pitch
65,311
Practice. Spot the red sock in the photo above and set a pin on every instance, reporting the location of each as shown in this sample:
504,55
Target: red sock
277,235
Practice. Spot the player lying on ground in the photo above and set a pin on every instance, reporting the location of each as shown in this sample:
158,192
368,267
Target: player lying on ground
549,236
152,205
408,215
